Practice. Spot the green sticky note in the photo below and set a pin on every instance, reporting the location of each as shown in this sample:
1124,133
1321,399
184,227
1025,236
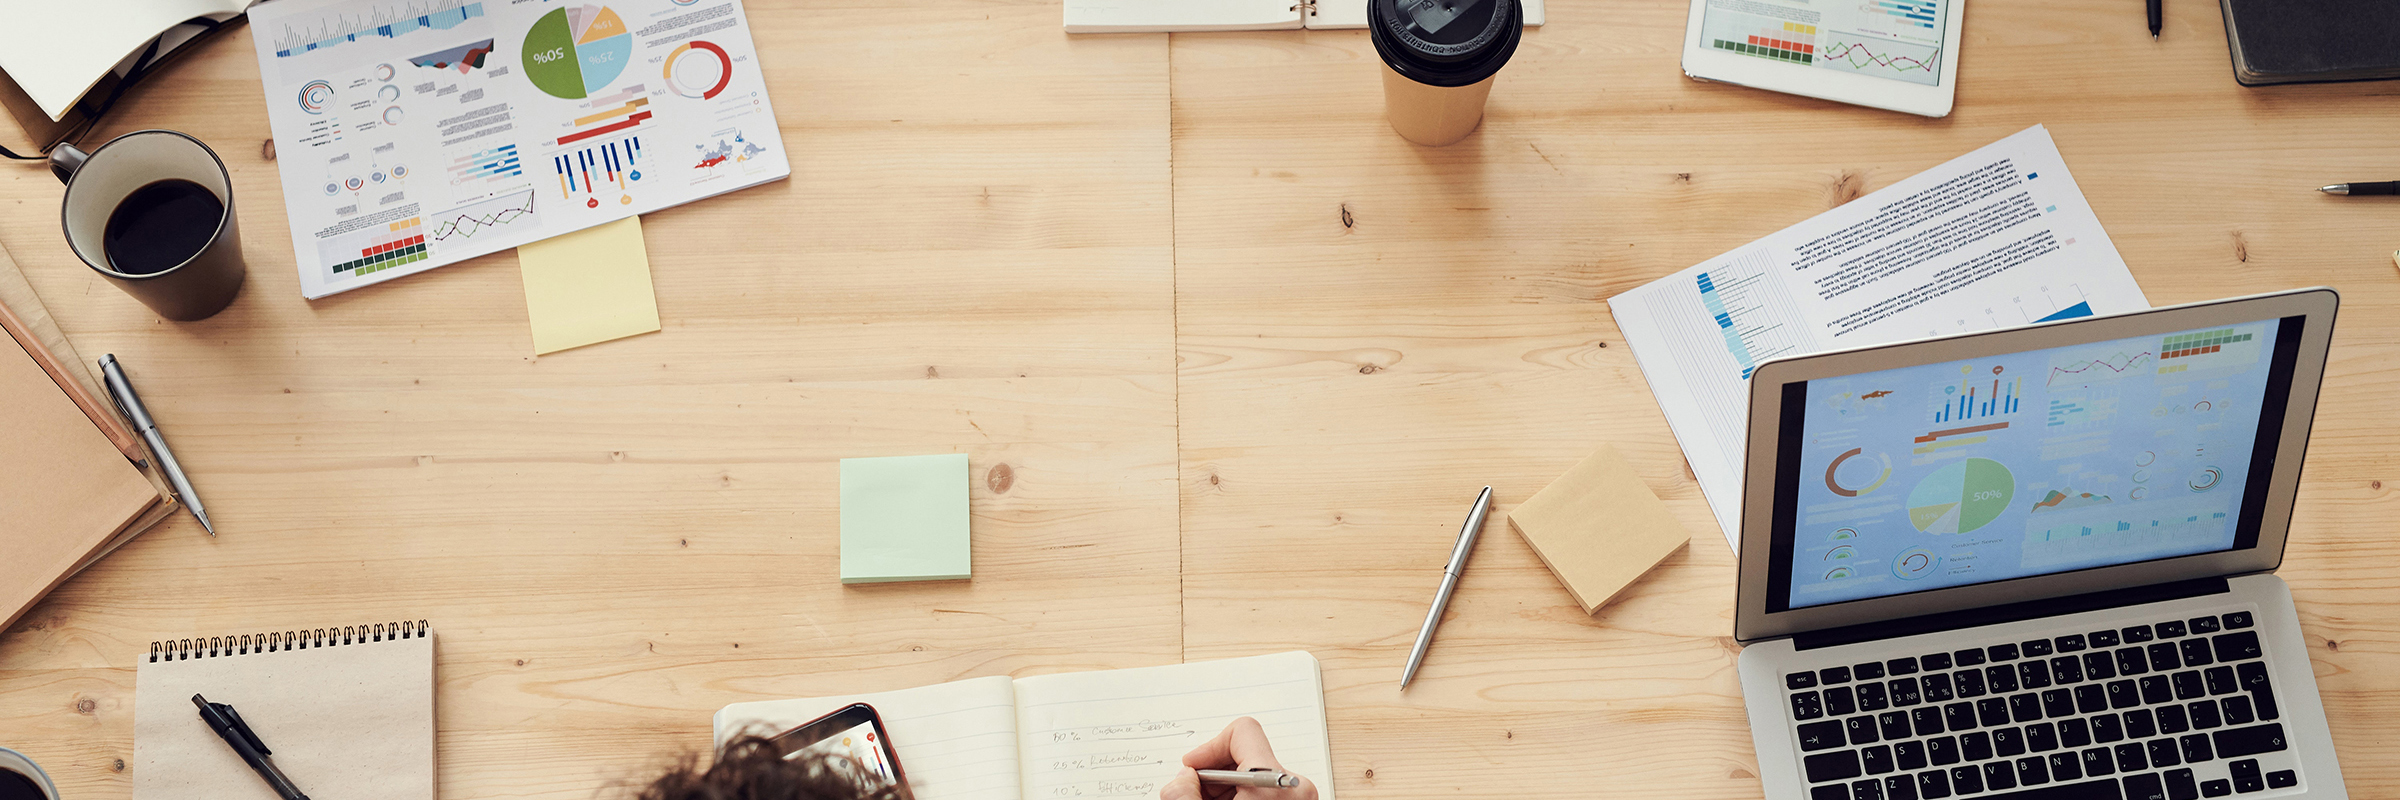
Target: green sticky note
904,518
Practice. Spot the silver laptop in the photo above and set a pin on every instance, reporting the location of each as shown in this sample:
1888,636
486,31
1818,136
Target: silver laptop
2037,563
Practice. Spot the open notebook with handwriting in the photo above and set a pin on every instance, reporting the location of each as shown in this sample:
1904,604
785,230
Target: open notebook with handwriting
1116,733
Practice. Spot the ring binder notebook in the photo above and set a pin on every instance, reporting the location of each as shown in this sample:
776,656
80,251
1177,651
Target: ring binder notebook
347,708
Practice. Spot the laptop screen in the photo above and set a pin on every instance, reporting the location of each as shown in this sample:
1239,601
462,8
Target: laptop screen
2031,463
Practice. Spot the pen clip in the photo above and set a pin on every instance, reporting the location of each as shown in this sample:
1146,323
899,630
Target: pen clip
243,728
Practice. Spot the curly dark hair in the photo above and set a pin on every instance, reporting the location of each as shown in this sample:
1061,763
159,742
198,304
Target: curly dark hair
753,768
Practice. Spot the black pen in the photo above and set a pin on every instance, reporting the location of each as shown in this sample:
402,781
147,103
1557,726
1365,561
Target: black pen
2158,17
2370,187
229,726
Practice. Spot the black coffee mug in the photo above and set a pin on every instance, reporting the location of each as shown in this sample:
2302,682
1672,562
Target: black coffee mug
153,212
21,779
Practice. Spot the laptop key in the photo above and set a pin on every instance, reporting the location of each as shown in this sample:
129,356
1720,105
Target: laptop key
2041,737
2008,742
1831,791
2237,710
2131,662
2102,638
2203,624
1960,715
2220,680
2033,673
2282,779
1871,697
2163,656
1933,785
2236,646
2216,788
1877,759
1871,670
1934,661
1900,787
1969,682
2098,761
2188,685
1942,750
2245,768
2065,766
2074,733
1861,729
1928,720
1901,666
2002,652
2091,698
1807,705
2035,648
2196,748
1992,711
1869,789
2250,741
1833,675
1799,680
2070,643
2144,787
1937,687
1972,656
2122,694
2236,620
2180,785
1966,780
2099,665
1835,766
2136,634
2058,702
2195,652
2030,771
2204,715
2253,677
2130,757
1904,692
2155,690
2107,728
2002,677
1895,725
2169,629
2025,707
1839,702
1822,736
2139,725
1976,746
2067,669
1999,776
2163,752
1909,755
2172,720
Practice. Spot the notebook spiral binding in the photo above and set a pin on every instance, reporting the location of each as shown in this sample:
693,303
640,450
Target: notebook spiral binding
1308,7
246,644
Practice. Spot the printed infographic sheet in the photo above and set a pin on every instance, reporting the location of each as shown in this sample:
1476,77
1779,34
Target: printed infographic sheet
1997,237
411,134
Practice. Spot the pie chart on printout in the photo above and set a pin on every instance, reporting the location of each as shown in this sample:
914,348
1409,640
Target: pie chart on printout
576,51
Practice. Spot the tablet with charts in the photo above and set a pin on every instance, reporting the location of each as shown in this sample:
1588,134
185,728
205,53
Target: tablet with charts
1890,54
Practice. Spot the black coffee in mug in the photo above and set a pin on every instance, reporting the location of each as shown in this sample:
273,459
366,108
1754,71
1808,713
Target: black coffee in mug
18,787
161,225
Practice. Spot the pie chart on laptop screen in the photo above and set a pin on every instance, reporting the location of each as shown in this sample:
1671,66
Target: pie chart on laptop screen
576,51
1961,496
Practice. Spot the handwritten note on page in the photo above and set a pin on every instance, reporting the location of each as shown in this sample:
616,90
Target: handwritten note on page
956,741
1123,733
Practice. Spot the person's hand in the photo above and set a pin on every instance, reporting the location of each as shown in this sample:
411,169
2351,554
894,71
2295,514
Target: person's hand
1242,746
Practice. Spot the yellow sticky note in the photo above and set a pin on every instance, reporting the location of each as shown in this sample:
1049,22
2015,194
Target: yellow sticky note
589,286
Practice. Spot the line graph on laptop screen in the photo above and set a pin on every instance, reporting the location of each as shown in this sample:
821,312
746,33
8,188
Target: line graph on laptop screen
2028,463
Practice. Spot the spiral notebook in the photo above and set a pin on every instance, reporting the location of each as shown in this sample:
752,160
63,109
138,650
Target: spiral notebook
347,711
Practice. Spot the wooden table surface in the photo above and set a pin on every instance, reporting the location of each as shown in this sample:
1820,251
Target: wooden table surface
1228,359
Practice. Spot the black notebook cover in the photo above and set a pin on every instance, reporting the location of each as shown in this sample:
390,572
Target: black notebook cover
2310,41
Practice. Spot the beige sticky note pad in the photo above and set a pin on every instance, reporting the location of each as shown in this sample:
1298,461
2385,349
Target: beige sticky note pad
1598,528
589,286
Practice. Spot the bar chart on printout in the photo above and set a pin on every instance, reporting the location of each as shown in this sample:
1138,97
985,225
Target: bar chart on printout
1749,312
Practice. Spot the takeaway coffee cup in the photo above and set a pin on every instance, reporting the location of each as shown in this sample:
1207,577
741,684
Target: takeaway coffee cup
153,212
1439,58
20,779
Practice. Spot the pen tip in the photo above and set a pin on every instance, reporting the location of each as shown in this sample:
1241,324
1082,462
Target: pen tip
203,517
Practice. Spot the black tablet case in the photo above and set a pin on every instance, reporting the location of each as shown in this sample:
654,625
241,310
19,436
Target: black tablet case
2313,41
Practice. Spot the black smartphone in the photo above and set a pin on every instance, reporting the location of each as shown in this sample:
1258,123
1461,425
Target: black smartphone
855,734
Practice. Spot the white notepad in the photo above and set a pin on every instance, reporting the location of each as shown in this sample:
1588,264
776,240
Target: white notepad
1170,16
347,712
1081,734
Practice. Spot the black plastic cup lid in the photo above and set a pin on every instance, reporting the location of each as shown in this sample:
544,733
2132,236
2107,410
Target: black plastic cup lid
1445,42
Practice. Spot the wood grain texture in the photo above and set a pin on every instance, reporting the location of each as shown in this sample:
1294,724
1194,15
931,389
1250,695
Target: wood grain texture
1372,330
1246,354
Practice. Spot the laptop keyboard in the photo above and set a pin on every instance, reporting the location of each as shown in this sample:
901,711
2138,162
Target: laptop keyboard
2173,710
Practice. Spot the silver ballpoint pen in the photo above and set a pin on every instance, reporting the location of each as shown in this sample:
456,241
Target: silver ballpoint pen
1441,599
121,391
